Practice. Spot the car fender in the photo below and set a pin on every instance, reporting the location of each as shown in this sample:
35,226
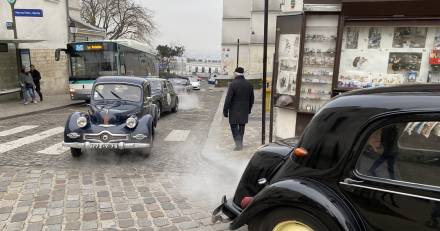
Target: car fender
145,125
71,125
302,193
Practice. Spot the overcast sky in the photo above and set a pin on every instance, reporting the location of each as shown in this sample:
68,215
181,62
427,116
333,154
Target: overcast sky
195,24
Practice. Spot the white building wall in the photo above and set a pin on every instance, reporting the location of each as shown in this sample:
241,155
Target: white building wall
52,28
236,8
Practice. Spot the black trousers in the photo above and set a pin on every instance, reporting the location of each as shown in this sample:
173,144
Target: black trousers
38,89
238,133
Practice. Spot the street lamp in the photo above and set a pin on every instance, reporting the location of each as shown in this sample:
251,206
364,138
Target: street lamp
263,113
73,30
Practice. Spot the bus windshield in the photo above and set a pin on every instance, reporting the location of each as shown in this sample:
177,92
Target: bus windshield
91,64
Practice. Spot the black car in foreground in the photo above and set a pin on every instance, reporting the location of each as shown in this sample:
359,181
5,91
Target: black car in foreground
368,160
163,95
121,116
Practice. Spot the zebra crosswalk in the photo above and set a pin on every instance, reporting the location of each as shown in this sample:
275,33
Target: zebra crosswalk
54,147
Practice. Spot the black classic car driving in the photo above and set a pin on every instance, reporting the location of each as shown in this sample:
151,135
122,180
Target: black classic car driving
121,116
163,95
368,160
182,85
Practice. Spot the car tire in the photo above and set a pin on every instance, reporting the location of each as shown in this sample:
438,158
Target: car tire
146,152
277,219
176,106
159,110
76,152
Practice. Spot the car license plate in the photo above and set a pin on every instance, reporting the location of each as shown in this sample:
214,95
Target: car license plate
103,146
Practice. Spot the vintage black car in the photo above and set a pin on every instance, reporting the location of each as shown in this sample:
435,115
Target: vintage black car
368,160
121,116
163,95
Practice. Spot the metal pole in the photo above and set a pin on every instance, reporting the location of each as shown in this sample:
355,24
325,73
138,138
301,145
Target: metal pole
14,26
263,113
238,51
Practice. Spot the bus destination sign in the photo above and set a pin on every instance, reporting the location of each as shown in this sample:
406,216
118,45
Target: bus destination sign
89,47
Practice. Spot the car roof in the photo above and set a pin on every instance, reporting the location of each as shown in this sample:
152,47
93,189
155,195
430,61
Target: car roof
154,79
335,128
121,79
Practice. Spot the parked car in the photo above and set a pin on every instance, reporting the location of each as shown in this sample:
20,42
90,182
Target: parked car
181,85
195,83
369,160
163,95
121,116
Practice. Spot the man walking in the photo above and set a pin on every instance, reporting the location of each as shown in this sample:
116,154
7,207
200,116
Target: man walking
238,106
36,77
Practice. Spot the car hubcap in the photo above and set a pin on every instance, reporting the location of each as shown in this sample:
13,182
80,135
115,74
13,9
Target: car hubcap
292,226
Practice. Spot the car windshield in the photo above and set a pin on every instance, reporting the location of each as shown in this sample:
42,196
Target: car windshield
117,92
178,81
155,86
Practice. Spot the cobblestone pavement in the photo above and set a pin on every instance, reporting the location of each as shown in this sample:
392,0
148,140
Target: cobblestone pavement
43,188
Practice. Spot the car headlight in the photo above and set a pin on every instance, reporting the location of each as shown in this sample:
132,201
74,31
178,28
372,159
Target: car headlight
81,121
131,122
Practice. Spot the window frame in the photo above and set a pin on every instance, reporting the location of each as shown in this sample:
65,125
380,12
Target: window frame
378,123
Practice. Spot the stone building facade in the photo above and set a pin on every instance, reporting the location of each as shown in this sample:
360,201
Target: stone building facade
37,39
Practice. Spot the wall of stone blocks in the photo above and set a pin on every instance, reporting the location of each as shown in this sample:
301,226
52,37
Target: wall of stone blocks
8,69
54,74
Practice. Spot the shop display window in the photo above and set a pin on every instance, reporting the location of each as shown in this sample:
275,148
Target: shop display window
318,61
288,56
376,56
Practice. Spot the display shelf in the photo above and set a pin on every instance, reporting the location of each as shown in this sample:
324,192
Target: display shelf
318,62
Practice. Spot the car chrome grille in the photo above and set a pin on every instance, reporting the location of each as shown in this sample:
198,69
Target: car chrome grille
106,137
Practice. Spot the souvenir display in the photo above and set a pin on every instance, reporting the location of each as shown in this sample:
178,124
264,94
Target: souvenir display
384,56
318,62
288,53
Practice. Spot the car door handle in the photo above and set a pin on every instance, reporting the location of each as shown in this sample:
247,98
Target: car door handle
352,181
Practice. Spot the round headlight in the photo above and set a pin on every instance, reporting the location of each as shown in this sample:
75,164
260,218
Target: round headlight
81,122
131,122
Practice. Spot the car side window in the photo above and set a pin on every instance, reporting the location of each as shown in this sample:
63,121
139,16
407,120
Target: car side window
408,152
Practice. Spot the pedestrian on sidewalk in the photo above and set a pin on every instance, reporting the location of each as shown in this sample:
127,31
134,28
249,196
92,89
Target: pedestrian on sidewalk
27,85
238,105
36,77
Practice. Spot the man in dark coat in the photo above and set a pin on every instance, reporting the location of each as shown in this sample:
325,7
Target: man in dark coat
238,106
36,76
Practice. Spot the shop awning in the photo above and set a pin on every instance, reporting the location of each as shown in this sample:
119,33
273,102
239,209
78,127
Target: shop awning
85,28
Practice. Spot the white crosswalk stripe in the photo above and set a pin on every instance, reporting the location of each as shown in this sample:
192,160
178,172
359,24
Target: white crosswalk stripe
17,130
5,147
178,135
55,149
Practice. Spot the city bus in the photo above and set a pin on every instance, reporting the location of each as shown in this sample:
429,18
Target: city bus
90,59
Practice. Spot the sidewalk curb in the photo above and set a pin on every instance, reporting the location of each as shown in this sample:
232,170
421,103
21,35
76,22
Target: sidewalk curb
41,111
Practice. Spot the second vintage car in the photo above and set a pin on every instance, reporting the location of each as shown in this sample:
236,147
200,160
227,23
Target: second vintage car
163,95
368,161
121,116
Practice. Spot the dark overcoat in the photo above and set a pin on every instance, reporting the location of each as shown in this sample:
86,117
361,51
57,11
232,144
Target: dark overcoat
239,101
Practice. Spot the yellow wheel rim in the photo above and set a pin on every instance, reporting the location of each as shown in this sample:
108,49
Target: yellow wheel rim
292,226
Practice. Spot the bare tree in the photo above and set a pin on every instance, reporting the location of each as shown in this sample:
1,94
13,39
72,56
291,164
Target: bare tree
120,18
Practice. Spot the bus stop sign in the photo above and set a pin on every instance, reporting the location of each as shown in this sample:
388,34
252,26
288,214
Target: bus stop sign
11,1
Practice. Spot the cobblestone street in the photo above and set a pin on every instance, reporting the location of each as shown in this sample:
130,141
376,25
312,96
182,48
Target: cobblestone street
43,188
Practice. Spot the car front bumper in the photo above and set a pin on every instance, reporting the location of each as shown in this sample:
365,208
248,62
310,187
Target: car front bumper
120,145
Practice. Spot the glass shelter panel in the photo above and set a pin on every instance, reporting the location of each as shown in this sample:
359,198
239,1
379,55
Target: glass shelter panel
318,61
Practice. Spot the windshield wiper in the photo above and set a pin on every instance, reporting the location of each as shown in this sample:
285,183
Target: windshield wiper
116,95
100,95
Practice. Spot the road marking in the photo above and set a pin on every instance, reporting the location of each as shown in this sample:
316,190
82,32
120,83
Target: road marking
178,135
55,149
16,130
29,139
